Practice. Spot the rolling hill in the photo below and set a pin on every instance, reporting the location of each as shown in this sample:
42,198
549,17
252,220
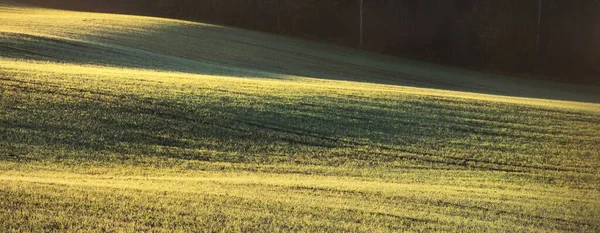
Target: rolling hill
128,123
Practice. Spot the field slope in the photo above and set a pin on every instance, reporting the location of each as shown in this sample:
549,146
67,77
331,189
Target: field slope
127,123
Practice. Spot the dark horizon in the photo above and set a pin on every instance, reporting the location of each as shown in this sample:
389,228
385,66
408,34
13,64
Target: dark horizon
544,39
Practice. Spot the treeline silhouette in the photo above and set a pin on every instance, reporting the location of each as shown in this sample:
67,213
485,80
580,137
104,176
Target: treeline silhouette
550,39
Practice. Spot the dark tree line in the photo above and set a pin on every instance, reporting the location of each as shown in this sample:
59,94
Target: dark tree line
559,39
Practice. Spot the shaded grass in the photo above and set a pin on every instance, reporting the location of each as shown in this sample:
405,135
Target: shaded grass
265,121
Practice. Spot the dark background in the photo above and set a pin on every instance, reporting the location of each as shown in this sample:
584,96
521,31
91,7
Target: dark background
500,36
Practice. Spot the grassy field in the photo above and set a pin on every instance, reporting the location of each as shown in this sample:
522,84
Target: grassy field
128,123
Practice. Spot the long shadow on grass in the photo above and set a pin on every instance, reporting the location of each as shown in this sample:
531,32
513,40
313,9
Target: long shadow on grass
329,131
285,57
212,50
40,48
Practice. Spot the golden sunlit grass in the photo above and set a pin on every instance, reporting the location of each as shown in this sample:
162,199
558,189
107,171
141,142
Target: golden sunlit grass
126,123
187,200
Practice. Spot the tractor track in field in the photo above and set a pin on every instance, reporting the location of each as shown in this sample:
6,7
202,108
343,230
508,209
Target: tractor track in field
424,156
445,120
19,50
442,203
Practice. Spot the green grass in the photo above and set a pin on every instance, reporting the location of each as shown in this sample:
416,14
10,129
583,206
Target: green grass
126,123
